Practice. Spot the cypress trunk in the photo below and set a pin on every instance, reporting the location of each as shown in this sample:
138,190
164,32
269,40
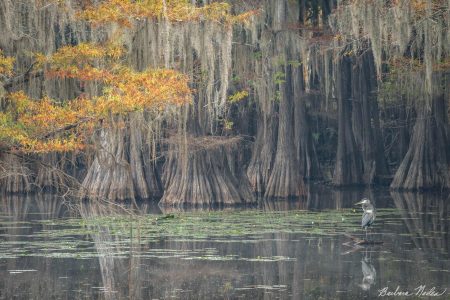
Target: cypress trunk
109,175
348,170
261,163
50,176
15,174
122,167
426,165
366,124
200,170
285,179
305,149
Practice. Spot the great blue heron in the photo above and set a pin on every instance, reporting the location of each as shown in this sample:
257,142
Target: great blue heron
368,216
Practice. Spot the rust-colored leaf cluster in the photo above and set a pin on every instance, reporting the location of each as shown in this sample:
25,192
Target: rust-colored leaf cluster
403,65
124,12
6,64
46,125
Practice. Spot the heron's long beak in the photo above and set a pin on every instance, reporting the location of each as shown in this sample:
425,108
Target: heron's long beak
360,202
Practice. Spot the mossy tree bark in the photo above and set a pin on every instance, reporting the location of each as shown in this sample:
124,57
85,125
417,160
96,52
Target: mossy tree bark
286,178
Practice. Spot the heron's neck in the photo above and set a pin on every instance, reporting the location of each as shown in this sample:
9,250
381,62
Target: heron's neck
367,207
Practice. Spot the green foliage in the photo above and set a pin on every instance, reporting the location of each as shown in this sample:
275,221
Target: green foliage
257,55
238,96
277,96
228,125
294,63
279,77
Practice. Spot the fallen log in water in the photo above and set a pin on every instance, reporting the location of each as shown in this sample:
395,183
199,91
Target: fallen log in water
361,242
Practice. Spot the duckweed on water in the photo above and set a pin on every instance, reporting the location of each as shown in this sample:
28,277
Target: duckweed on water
77,238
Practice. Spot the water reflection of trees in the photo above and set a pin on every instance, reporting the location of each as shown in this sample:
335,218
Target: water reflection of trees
426,218
271,267
296,277
291,271
119,260
322,198
283,265
18,211
318,197
15,207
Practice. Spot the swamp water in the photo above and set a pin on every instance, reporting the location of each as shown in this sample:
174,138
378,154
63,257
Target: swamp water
50,249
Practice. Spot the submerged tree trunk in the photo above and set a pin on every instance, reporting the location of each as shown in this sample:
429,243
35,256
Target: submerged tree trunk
426,165
348,170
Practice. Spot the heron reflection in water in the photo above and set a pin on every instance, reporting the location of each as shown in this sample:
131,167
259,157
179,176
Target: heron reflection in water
368,216
369,273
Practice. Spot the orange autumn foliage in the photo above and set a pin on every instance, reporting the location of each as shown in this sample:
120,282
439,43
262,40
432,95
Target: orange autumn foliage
28,125
46,125
124,12
6,64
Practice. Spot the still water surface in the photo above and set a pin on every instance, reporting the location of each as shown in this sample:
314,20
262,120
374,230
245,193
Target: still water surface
278,250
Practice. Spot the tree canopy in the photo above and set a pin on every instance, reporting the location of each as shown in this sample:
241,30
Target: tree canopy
45,125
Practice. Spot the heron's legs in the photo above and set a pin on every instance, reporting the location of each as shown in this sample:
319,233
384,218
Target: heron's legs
365,228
